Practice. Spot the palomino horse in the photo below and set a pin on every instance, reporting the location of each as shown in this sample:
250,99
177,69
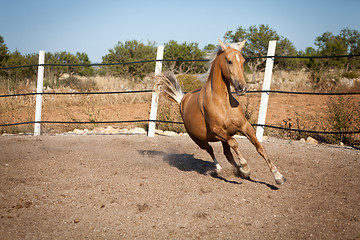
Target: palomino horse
212,114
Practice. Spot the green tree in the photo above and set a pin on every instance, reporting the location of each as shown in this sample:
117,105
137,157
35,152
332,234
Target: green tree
285,48
4,56
54,73
352,41
15,76
131,51
4,52
67,58
209,47
84,59
346,43
312,65
184,51
328,44
257,40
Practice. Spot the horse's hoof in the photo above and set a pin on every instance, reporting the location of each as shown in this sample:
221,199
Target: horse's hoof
218,168
216,171
244,174
279,179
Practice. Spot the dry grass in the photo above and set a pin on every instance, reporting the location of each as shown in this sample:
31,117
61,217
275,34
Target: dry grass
104,107
300,111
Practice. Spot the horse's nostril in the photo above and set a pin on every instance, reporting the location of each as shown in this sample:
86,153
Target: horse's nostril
241,88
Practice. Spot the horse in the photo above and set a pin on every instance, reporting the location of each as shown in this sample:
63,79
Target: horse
212,113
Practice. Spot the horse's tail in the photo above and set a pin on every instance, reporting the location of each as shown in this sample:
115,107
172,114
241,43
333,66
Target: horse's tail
169,85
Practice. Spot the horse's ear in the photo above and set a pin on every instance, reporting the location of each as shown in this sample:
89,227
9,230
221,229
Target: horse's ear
223,46
241,44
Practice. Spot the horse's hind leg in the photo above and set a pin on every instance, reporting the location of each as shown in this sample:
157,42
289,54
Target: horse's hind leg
250,134
230,142
206,146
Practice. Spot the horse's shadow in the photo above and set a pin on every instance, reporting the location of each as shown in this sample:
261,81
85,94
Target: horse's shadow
188,163
184,162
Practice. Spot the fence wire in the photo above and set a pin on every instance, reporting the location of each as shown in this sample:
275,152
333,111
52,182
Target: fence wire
74,93
173,122
163,60
147,91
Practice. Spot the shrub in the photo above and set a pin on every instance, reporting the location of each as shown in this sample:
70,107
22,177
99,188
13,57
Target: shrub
130,51
189,82
343,115
169,111
350,75
80,85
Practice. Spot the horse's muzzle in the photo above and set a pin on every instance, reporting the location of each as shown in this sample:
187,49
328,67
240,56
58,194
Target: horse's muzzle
240,90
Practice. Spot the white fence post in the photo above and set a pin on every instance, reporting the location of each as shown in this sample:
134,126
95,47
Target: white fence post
266,87
155,95
39,90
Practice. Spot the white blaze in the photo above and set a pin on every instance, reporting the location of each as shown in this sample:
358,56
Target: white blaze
237,57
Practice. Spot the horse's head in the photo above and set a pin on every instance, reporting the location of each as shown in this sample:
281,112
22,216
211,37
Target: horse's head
232,65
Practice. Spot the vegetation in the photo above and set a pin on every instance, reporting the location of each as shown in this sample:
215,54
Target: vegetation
257,40
184,51
130,51
347,42
343,115
322,73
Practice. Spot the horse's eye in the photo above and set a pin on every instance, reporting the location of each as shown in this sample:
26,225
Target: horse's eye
228,61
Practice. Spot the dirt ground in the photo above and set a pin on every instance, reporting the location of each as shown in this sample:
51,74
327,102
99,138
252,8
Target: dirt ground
135,187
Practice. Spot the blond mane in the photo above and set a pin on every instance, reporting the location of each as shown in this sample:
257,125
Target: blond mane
212,55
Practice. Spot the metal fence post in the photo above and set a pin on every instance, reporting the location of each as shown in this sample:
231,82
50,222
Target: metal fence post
39,90
266,87
155,95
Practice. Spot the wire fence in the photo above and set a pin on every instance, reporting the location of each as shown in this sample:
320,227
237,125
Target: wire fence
174,122
75,93
148,91
165,60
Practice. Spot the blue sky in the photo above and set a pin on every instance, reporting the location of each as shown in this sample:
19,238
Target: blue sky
94,27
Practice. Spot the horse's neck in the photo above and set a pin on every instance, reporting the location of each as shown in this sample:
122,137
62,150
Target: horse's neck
217,85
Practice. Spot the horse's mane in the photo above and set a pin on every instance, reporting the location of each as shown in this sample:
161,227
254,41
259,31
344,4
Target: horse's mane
212,55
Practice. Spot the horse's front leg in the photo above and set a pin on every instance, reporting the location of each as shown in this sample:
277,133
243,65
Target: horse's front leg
229,142
244,170
249,132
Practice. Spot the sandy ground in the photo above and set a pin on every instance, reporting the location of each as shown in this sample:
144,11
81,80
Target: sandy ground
135,187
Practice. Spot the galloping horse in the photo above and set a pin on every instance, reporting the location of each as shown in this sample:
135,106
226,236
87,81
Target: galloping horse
212,114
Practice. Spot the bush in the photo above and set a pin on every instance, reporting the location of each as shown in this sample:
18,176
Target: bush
130,51
189,82
350,75
187,51
169,111
80,85
343,116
